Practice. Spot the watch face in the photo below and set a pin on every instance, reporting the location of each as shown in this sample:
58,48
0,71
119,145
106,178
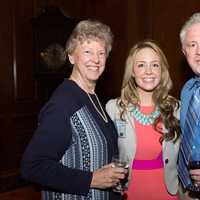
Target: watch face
54,56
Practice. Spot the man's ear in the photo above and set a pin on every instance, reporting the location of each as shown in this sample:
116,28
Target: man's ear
71,59
183,51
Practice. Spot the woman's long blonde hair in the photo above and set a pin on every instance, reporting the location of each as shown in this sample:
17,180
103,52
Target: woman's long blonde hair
166,103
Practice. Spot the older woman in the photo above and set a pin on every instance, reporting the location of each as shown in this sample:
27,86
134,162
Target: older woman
75,139
148,130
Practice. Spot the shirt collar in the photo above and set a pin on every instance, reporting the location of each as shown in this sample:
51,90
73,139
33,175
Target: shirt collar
196,80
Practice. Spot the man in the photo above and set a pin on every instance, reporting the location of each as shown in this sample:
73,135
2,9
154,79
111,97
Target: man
189,117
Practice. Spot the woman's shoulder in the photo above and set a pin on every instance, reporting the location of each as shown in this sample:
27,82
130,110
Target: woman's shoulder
112,107
67,92
65,97
112,102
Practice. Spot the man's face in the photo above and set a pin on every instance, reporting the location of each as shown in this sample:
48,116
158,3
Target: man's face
191,47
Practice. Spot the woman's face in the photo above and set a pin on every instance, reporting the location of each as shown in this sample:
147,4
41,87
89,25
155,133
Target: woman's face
89,60
146,70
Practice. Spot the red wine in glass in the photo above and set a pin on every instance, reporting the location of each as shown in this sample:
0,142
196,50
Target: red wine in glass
194,165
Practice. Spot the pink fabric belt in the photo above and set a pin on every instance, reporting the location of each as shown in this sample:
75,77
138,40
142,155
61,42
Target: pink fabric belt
148,164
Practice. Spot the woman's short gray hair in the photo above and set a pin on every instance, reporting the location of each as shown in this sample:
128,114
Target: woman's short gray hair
194,19
90,29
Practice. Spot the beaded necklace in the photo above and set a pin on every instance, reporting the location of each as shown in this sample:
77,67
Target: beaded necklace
145,119
101,113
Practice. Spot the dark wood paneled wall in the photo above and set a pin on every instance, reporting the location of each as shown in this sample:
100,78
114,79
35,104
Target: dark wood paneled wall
130,20
167,19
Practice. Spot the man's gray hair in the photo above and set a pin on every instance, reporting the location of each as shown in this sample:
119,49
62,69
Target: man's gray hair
194,19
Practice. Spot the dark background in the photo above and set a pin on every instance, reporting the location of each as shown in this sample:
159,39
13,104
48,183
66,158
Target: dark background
24,86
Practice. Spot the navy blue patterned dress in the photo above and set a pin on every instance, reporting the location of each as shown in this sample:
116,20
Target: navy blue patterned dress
70,142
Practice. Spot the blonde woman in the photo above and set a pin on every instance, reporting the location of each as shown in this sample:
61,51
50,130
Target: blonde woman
145,116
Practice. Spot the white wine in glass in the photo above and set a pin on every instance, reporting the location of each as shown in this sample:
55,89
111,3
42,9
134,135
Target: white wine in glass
120,161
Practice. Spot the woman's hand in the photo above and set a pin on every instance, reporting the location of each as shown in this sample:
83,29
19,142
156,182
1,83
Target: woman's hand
107,176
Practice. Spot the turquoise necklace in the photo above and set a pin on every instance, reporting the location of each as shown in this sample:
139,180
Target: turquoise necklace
145,119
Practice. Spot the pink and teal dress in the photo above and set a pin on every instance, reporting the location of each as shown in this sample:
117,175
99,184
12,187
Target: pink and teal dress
147,181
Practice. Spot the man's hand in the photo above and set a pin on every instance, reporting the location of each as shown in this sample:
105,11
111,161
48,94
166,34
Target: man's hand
195,176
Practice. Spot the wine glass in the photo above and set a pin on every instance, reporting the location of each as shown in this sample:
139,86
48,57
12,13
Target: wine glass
194,163
121,161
